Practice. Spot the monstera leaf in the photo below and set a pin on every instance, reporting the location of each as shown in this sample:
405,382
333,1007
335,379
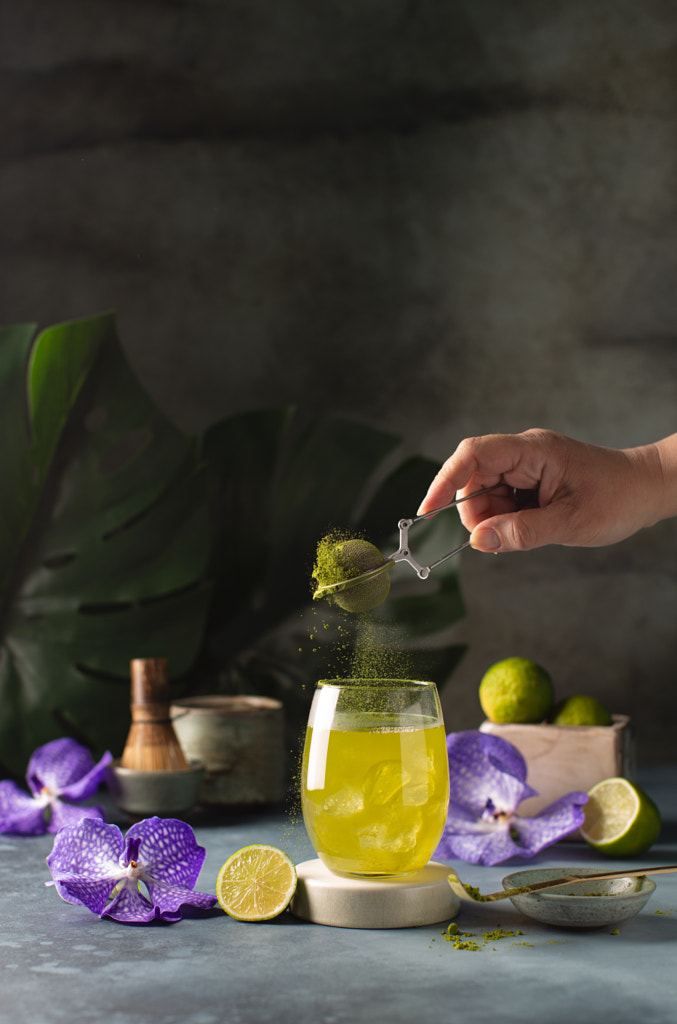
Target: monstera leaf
104,537
120,538
281,487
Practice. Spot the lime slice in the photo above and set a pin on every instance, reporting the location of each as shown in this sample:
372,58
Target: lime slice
256,883
621,820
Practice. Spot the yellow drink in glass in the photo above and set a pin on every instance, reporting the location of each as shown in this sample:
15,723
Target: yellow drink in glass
375,777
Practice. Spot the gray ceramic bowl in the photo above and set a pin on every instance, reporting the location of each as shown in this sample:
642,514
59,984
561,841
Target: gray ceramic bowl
144,794
593,904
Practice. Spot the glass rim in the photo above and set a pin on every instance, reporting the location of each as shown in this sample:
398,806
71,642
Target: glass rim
385,682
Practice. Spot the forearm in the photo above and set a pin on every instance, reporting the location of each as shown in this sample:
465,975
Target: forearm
660,478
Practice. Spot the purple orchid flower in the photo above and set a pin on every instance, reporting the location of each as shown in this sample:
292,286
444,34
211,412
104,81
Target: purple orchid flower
92,862
59,774
487,783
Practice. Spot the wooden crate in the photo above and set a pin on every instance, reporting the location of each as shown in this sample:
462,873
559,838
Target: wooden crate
563,758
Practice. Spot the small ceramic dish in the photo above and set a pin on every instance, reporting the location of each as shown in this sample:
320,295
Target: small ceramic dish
165,793
593,904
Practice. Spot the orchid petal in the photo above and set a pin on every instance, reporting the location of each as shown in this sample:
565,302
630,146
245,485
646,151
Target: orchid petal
503,755
488,848
485,768
130,906
87,785
69,814
57,764
66,767
168,899
168,851
87,892
20,813
84,862
460,820
554,822
91,848
131,851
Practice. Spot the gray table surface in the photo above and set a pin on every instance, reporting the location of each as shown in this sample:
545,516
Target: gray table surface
59,963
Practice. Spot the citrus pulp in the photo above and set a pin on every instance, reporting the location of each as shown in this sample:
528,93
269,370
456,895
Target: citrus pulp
256,883
621,820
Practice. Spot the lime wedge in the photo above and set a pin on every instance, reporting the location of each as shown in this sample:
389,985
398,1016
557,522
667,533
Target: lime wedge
621,820
256,883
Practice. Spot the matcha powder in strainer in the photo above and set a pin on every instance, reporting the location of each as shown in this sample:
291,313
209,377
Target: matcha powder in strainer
341,557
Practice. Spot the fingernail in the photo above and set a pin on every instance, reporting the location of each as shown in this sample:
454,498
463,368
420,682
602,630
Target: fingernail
485,540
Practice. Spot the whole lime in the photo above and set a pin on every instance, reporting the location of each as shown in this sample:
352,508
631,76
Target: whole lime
581,710
516,690
621,820
340,559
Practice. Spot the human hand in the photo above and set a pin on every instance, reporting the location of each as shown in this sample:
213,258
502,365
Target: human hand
558,490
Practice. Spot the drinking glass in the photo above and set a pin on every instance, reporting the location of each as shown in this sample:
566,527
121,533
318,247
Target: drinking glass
375,775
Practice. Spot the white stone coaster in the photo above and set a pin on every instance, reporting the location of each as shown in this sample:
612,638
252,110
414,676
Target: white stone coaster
409,902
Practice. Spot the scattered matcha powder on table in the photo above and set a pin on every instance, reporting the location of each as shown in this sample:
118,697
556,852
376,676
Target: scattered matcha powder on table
474,942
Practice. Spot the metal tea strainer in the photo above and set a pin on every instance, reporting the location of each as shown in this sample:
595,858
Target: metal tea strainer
403,553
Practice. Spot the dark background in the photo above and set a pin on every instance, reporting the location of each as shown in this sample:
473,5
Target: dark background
443,217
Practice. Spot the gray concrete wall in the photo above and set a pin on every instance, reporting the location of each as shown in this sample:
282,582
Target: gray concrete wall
446,217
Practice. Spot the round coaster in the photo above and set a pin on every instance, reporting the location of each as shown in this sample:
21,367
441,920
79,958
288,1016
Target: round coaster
419,899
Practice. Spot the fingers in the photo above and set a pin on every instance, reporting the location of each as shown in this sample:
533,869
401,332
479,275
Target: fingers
495,503
523,530
458,472
479,462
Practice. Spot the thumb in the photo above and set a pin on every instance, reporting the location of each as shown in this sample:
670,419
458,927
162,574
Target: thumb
521,531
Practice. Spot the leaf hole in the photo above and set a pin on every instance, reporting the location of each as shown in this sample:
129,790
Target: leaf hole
59,561
95,418
124,451
100,674
127,525
105,608
69,728
117,607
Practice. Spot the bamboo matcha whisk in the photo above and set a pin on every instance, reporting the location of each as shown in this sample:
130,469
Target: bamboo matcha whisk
152,744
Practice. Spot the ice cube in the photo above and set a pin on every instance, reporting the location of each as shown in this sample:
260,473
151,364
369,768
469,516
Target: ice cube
416,791
389,838
384,781
345,803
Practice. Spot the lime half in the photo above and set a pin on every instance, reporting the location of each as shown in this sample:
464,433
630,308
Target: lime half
256,883
621,820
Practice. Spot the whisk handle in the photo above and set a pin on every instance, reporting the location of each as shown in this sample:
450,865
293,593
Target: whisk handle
150,695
